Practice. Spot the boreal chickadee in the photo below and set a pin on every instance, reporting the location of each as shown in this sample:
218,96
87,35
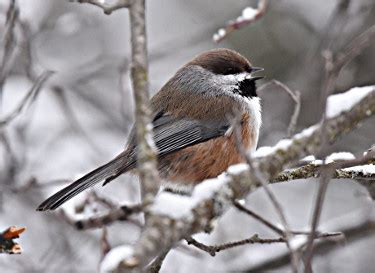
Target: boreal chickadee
192,132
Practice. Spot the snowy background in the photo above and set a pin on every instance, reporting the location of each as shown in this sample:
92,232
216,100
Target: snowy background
82,117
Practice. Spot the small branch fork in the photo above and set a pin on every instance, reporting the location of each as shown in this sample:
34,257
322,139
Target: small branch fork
295,96
28,99
121,213
106,7
212,250
249,15
7,244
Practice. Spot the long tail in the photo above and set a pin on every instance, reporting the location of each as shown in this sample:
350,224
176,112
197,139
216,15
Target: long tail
107,172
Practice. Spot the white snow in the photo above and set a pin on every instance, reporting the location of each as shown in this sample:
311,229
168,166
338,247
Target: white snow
308,158
114,257
263,151
339,156
339,103
249,13
335,105
219,35
173,205
297,241
178,206
238,168
365,169
317,162
221,32
285,143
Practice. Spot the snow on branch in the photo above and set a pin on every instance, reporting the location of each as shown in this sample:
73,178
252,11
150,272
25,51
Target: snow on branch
213,197
248,16
7,244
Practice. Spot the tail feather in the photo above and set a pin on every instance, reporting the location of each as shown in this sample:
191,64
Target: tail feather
113,169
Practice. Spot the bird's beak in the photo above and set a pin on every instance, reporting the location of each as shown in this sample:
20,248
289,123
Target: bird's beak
256,78
256,69
249,77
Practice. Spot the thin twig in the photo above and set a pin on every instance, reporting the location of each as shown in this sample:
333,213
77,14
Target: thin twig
156,264
28,98
325,178
73,121
295,96
322,247
259,218
257,176
105,246
249,15
276,229
212,250
107,8
32,183
8,42
120,214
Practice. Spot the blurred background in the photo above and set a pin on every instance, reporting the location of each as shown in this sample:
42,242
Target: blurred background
82,116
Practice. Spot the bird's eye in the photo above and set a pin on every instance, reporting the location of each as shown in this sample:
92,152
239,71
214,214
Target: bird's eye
231,71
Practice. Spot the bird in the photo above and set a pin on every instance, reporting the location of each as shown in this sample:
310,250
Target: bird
192,128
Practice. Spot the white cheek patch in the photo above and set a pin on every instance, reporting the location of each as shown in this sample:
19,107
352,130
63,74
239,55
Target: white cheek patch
232,79
228,83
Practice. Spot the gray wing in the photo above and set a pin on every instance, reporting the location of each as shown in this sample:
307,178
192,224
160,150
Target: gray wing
172,134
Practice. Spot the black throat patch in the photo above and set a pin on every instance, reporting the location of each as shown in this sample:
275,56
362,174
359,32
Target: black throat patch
246,88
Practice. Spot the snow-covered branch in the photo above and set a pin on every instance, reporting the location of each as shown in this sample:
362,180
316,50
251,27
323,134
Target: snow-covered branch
358,169
248,16
189,215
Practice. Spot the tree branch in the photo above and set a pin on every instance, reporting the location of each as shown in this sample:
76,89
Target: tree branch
7,244
117,214
8,42
358,169
212,250
295,96
28,99
249,15
107,8
146,149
